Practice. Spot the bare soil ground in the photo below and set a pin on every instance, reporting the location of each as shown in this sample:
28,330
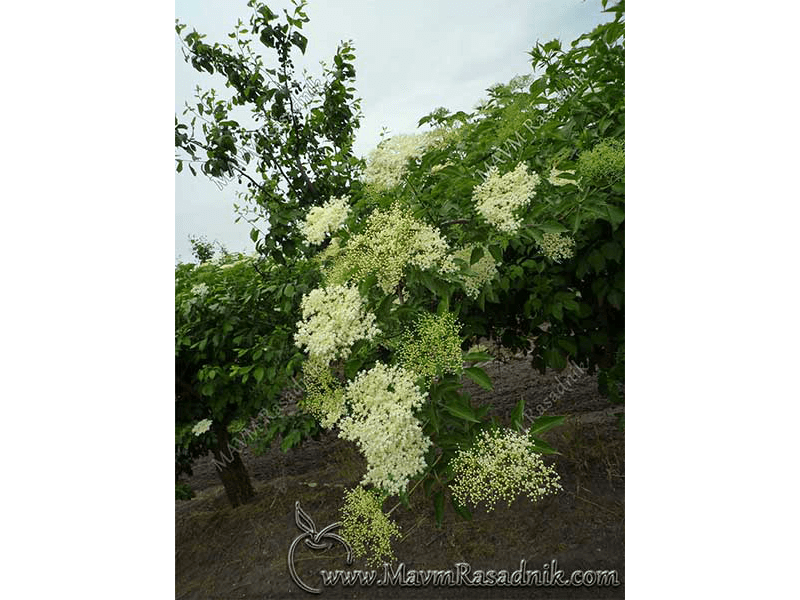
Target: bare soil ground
240,553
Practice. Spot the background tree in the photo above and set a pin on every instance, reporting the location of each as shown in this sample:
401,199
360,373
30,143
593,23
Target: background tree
295,150
234,355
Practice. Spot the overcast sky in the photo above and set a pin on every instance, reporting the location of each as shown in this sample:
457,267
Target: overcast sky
411,57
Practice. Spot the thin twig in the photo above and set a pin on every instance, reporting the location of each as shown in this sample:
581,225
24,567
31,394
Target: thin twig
416,484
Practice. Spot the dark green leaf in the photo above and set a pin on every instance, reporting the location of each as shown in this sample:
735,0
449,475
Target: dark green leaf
462,511
438,507
516,414
544,423
615,215
479,376
476,255
477,357
459,407
542,447
552,227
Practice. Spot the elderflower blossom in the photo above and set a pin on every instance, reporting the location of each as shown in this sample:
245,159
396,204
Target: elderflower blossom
557,247
333,320
605,163
366,528
432,347
200,290
324,397
201,427
386,164
322,221
479,274
383,425
499,198
392,240
501,466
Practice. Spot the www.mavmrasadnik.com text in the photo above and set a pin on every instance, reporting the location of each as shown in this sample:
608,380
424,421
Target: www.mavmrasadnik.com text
463,575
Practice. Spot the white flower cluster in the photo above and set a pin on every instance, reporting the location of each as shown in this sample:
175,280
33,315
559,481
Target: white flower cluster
200,290
392,240
383,424
480,273
387,163
322,221
501,466
557,247
499,198
334,318
201,426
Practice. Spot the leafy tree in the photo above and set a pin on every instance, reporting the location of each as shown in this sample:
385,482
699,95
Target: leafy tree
234,355
295,150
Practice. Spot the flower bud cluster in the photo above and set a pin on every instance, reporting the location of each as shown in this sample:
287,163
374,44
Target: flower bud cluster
322,221
501,466
366,528
432,347
557,247
334,318
393,240
500,198
603,164
324,397
383,425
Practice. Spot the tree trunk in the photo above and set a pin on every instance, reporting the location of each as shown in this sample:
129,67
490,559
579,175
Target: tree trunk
231,469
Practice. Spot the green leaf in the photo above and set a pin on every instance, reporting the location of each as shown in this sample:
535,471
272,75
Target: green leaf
300,41
516,415
352,366
254,234
597,261
458,407
552,227
290,440
576,221
438,507
476,255
538,87
477,357
612,251
554,358
496,252
258,374
479,376
462,511
542,447
556,311
569,345
544,423
404,499
615,215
